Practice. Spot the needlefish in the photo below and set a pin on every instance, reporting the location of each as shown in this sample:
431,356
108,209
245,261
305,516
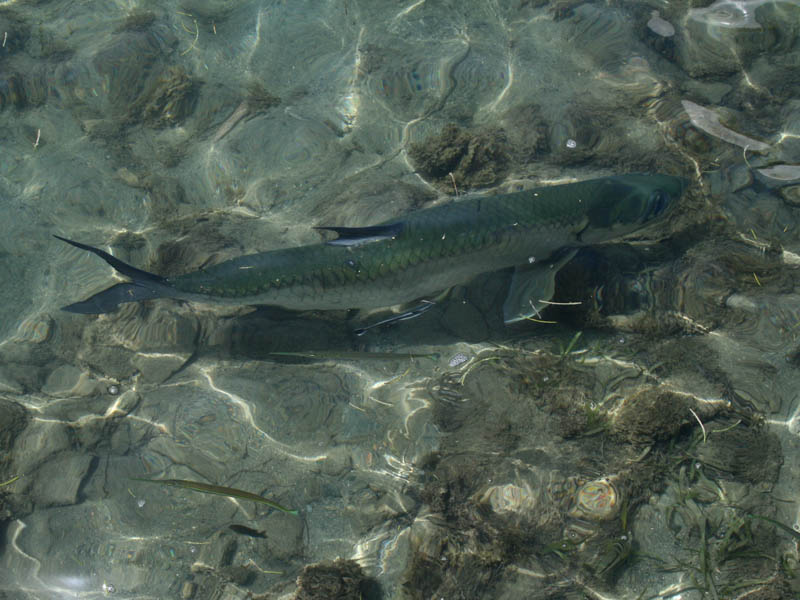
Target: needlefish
209,488
536,231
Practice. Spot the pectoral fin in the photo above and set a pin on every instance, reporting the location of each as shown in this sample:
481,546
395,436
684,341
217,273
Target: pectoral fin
531,287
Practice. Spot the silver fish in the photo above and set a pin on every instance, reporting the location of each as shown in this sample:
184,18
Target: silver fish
536,230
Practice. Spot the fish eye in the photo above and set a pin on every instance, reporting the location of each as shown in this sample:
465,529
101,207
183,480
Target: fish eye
658,201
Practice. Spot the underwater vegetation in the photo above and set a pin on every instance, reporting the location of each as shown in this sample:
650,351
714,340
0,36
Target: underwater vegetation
667,483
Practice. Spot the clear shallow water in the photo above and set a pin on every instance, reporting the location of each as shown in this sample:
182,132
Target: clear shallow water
640,459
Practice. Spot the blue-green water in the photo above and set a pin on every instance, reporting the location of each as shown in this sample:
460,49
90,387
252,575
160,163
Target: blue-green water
641,442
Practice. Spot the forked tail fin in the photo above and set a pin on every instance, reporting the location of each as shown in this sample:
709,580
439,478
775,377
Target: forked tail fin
109,300
145,286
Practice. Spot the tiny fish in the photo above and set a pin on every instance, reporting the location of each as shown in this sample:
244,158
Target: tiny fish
244,530
208,488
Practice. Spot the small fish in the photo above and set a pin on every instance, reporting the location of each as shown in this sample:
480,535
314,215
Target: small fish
208,488
244,530
427,251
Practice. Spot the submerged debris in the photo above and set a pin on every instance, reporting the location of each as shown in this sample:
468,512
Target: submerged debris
660,26
743,454
781,172
169,101
334,580
651,414
709,121
459,358
459,158
596,500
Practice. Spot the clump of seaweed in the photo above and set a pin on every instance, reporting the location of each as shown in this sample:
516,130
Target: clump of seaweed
256,101
137,21
457,159
649,415
335,580
169,101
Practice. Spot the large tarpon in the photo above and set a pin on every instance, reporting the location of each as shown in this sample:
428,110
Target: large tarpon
425,252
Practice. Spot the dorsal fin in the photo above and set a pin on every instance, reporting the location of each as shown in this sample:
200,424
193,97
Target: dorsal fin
355,236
